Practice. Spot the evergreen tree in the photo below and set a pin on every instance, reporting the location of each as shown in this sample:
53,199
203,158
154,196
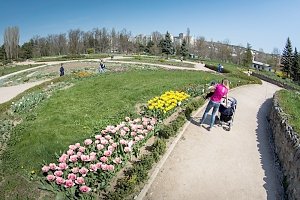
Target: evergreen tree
287,58
247,60
296,66
2,53
26,50
183,49
166,45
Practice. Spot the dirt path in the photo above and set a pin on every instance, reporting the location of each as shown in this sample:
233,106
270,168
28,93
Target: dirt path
7,93
219,164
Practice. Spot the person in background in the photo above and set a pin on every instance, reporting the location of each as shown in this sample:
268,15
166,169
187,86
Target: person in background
61,70
219,68
220,91
101,67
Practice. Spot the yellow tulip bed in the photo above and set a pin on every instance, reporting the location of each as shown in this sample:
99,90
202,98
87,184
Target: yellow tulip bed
160,106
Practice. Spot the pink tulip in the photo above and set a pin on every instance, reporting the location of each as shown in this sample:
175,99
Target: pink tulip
104,159
99,165
50,177
84,189
126,128
63,166
100,147
85,158
69,183
70,152
63,158
133,133
111,141
141,137
108,137
117,160
79,153
58,173
80,181
127,149
104,142
73,147
75,170
122,133
114,145
72,176
97,141
110,168
83,171
59,180
104,132
81,149
110,148
98,137
52,166
136,138
149,127
77,145
93,167
45,168
127,119
88,142
104,167
73,158
124,142
107,153
93,158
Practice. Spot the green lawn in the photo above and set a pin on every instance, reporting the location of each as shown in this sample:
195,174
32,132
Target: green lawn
157,60
289,101
4,70
76,113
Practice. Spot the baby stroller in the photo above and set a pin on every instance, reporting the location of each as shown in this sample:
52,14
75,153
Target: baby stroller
227,113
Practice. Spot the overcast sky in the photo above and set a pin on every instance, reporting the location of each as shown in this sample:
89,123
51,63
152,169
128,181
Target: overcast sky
265,24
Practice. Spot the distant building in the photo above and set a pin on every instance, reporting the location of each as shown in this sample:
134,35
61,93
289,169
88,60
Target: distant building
261,66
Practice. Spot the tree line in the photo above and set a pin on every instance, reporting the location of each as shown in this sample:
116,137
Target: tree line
290,61
102,40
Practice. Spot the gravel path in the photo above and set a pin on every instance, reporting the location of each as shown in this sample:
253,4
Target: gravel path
219,164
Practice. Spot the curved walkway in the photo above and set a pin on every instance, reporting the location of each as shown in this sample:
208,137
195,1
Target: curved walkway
219,164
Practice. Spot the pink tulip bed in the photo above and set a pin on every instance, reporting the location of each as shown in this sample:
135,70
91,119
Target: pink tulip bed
89,166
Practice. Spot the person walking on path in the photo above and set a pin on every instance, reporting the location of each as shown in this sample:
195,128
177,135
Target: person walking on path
220,91
61,70
101,67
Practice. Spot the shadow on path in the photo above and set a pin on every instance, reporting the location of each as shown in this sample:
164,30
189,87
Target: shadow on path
265,144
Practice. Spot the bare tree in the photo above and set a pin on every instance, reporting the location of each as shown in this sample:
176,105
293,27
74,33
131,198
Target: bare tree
156,37
11,42
75,44
238,52
113,40
201,47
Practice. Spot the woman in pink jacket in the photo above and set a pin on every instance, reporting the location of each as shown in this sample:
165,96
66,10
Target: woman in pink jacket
221,90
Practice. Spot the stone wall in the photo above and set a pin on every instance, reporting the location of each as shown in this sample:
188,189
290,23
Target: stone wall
287,144
275,82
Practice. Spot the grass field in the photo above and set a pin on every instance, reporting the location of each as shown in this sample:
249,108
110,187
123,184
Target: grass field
157,60
76,113
4,70
289,101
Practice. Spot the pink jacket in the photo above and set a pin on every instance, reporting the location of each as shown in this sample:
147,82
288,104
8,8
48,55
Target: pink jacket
220,92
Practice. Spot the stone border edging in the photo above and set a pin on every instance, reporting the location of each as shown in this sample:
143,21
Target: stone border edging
287,145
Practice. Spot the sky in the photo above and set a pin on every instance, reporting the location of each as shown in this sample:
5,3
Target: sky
264,24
